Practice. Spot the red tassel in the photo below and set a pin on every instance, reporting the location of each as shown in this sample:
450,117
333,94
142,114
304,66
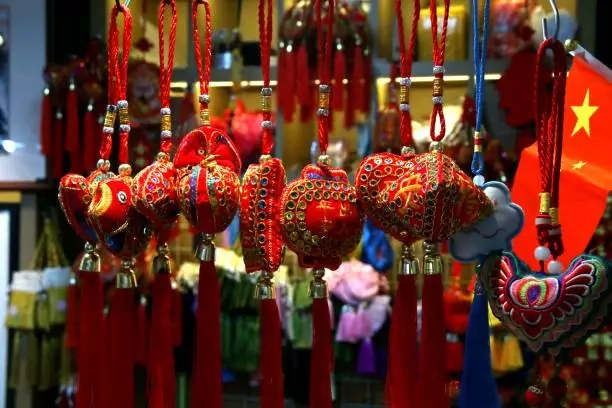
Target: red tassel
339,75
321,358
289,85
177,317
72,316
73,144
57,159
302,79
89,355
162,385
142,327
454,356
349,111
46,123
206,388
272,394
358,82
106,377
281,69
122,316
401,376
91,138
432,356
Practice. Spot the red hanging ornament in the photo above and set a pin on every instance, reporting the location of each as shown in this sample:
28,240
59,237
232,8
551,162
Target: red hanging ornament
321,222
155,197
208,191
260,234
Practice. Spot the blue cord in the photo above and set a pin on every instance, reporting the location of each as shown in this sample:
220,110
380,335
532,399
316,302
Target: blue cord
480,67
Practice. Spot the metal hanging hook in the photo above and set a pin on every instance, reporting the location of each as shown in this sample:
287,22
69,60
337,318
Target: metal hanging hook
555,9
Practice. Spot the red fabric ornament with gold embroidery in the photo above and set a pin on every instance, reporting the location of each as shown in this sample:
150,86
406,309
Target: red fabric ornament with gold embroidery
321,220
208,187
260,235
435,199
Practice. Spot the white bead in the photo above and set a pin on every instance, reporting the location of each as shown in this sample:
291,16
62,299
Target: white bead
555,267
479,180
542,253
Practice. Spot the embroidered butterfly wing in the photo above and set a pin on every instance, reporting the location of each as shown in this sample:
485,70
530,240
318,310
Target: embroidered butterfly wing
552,312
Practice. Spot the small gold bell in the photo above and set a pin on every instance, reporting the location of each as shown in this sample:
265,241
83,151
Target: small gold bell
432,262
410,264
126,278
206,250
265,287
161,262
90,261
318,286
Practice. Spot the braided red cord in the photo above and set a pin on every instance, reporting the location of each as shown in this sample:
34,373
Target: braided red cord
406,58
265,39
439,49
549,117
122,70
325,52
106,141
165,72
203,71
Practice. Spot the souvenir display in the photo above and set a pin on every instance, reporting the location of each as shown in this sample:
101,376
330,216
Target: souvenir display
155,197
207,163
321,220
260,227
569,304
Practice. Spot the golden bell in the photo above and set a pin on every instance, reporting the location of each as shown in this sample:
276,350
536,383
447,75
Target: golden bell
265,287
206,250
161,262
432,262
126,278
90,261
410,264
318,286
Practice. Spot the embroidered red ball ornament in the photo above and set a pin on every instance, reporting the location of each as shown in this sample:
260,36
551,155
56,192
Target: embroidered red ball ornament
435,199
208,187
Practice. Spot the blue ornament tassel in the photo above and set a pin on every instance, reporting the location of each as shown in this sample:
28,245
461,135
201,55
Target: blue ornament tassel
478,386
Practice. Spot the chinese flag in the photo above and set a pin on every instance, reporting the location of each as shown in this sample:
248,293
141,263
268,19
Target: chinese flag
586,167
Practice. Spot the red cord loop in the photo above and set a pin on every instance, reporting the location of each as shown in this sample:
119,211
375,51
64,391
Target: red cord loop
203,66
325,43
165,72
549,120
439,49
265,38
406,58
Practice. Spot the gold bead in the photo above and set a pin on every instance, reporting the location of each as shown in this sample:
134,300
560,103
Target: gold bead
109,118
205,117
554,216
404,94
266,103
477,148
124,116
323,100
166,123
438,87
544,203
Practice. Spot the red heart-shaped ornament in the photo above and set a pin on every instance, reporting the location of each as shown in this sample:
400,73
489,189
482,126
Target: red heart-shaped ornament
434,199
208,188
260,200
546,311
75,194
375,173
154,195
119,227
321,220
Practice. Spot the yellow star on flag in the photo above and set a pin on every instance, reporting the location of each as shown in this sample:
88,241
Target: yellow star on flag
578,165
583,115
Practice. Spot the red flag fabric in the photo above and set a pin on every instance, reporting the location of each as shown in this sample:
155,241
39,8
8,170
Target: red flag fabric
586,171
